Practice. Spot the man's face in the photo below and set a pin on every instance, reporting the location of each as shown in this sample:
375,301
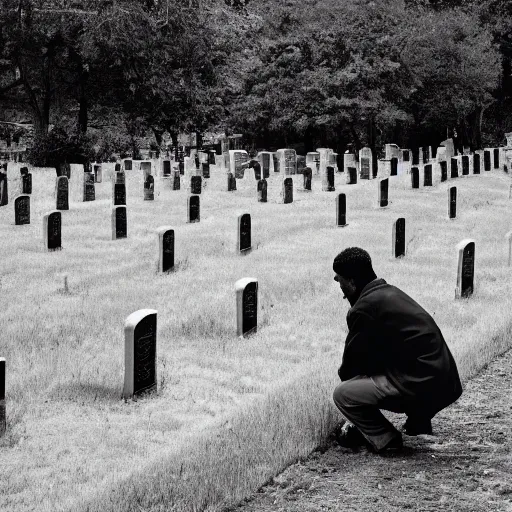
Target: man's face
348,288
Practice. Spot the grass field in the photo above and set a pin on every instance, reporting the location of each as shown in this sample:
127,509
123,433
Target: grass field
229,412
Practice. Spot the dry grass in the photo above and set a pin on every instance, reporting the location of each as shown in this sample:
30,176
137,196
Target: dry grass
229,413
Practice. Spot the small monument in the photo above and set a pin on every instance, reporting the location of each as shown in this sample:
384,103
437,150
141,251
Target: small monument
195,184
465,269
465,165
231,182
89,188
193,209
140,353
427,175
352,175
22,210
341,210
452,202
287,190
52,226
3,415
165,249
244,233
476,163
383,192
119,194
399,238
487,160
119,222
246,306
415,177
62,193
262,191
444,170
149,188
307,176
454,167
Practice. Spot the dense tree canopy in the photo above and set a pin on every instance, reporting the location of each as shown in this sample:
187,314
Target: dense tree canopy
284,73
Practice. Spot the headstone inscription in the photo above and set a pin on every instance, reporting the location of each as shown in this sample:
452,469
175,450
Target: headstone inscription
341,210
119,222
89,188
307,176
98,173
120,178
262,191
62,193
3,416
383,192
452,202
246,290
496,153
394,166
52,227
149,188
427,175
287,190
487,160
4,196
476,163
415,177
444,170
166,167
244,233
454,167
119,194
176,182
22,210
195,184
231,182
399,238
352,175
26,181
193,209
165,249
140,353
465,268
465,165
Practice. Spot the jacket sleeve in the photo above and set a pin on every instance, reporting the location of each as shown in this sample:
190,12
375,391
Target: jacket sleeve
362,354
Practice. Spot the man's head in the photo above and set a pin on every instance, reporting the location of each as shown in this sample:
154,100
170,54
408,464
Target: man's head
353,268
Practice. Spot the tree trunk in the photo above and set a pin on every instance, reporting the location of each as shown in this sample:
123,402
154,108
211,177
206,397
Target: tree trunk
83,117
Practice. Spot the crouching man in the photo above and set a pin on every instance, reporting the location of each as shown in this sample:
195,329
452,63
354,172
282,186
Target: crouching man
395,358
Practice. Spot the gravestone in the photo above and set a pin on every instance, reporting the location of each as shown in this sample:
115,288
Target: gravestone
176,181
244,233
117,167
465,268
195,184
89,188
237,160
313,161
140,353
246,305
254,164
415,156
62,193
287,190
287,161
426,154
145,167
26,181
328,179
211,157
193,209
352,175
454,167
394,166
181,167
4,196
276,162
415,177
399,238
119,194
301,163
166,167
265,163
3,416
383,192
365,168
487,160
341,210
52,228
149,188
64,169
231,182
496,153
165,249
98,174
427,175
262,191
22,210
406,155
205,170
476,163
444,170
452,202
307,176
120,178
119,222
465,165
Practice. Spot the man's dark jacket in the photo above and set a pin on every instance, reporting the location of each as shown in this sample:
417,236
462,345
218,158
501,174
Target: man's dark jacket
391,334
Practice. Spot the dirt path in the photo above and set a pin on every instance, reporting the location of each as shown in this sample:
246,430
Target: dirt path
465,466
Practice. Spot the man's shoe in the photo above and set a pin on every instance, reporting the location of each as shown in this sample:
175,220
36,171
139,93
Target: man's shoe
349,436
417,426
396,444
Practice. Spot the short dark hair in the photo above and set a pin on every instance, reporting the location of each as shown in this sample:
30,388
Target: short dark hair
354,263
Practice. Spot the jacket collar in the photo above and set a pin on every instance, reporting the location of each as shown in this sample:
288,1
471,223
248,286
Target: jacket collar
372,285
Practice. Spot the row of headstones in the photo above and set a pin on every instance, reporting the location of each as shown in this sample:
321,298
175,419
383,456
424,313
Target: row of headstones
26,183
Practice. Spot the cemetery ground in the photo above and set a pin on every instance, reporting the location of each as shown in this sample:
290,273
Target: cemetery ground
229,413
